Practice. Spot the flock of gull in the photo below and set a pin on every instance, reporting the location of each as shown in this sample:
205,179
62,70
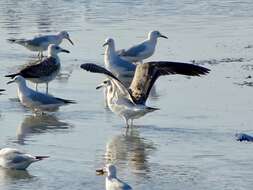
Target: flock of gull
127,85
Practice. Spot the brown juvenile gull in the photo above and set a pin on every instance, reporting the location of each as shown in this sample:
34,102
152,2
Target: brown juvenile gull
130,103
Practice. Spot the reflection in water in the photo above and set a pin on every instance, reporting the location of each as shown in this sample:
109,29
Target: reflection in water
9,176
35,124
130,149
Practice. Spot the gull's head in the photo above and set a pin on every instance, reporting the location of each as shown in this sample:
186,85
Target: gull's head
54,50
17,79
156,34
108,42
109,169
65,35
104,84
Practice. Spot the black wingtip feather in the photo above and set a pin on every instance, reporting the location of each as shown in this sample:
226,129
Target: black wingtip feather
12,75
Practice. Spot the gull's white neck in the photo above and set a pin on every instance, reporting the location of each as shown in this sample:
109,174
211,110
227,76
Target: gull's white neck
52,54
152,40
110,53
22,88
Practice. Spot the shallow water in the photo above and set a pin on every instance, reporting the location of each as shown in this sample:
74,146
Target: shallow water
188,144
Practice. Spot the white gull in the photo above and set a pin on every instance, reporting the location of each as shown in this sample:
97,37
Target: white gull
41,43
37,101
112,182
144,50
11,158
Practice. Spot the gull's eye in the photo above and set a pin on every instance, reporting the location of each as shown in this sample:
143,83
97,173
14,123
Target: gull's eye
105,82
57,48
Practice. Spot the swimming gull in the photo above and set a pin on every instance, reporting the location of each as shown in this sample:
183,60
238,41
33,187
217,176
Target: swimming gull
111,180
130,103
41,43
35,100
11,158
45,70
144,50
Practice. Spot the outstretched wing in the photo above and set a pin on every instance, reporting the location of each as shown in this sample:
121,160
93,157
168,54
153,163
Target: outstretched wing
146,74
44,68
98,69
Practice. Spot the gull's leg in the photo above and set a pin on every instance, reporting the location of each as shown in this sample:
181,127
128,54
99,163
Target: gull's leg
131,122
36,86
39,54
105,98
126,122
47,88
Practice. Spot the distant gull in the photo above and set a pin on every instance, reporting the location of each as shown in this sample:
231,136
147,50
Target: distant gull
35,100
243,137
45,70
41,43
11,158
111,180
130,103
144,50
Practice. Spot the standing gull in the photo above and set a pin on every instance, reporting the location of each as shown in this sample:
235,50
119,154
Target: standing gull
35,100
111,180
45,70
114,63
130,103
41,43
11,158
144,50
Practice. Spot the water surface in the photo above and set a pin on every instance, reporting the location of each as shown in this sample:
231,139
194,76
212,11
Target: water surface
188,144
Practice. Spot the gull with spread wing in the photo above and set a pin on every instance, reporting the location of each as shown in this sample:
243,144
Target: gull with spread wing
130,103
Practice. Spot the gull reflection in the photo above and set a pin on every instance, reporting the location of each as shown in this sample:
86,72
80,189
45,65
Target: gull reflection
35,124
8,176
130,149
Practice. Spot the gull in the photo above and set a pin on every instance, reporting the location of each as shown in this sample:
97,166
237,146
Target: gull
41,43
130,103
45,70
35,100
144,50
11,158
115,64
111,180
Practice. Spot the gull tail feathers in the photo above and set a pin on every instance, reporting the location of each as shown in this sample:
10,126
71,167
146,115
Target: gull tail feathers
17,41
41,157
67,101
150,109
12,75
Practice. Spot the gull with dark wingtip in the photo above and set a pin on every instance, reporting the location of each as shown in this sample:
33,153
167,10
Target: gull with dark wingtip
38,102
144,50
130,103
45,70
41,43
